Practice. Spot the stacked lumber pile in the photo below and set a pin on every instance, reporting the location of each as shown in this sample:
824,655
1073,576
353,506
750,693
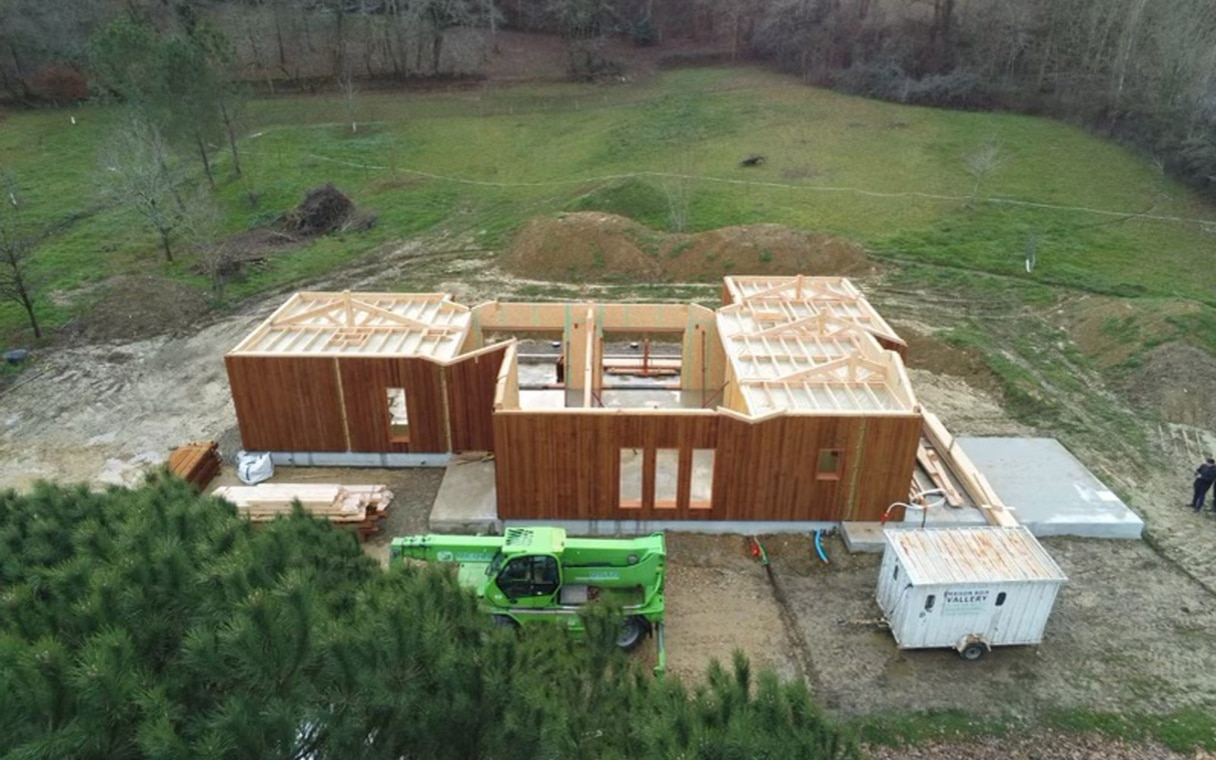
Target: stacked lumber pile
358,507
197,462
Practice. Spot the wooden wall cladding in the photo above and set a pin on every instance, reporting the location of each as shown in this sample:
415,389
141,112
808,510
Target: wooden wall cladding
780,478
884,474
470,392
287,403
365,384
567,466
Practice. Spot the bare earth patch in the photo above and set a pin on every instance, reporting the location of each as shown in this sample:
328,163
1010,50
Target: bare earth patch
130,308
596,246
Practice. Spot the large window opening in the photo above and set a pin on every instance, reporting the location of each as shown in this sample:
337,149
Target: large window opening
398,416
631,479
701,484
666,478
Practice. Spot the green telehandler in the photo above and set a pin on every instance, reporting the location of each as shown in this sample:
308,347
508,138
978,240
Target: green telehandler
530,575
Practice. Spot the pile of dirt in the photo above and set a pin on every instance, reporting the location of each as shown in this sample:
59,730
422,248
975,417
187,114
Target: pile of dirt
1175,381
131,308
593,246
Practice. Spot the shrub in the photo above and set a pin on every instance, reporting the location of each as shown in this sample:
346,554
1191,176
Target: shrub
59,83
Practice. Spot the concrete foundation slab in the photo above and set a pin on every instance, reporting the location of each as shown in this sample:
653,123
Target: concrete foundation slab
1050,491
357,459
467,501
644,527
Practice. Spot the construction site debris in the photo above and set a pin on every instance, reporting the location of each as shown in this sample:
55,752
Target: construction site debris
356,506
198,462
253,468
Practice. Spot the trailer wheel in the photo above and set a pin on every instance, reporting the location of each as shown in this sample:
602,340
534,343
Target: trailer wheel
632,630
973,651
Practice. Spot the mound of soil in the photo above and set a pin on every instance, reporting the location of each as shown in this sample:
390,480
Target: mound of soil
593,246
1175,381
131,308
582,247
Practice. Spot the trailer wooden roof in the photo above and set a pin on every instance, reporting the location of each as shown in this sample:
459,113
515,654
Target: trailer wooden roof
807,344
972,555
362,324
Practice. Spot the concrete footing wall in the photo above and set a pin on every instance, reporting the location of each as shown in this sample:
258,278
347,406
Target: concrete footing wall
357,459
643,527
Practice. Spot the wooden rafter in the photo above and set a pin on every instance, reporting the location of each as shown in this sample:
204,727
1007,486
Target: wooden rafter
852,362
350,308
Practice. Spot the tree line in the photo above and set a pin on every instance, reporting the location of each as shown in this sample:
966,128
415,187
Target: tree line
1142,72
155,623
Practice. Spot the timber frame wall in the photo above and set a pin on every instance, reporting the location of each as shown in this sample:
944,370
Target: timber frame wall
796,372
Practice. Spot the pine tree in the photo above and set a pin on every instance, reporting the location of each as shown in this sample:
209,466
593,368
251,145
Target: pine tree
154,623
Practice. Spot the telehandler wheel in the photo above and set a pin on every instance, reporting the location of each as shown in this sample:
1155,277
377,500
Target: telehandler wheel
503,621
633,629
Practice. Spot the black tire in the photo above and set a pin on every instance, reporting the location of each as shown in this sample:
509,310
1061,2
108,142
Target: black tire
503,621
973,651
633,630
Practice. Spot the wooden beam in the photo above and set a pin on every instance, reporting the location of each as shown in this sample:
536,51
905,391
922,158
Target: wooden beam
967,474
936,471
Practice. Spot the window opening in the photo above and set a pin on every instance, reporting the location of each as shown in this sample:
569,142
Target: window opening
829,464
1000,598
930,600
701,484
630,496
529,577
666,478
398,416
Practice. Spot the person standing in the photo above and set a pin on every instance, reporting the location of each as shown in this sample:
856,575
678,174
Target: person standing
1205,474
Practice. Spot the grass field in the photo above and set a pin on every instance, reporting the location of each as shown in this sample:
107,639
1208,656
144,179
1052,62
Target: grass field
483,160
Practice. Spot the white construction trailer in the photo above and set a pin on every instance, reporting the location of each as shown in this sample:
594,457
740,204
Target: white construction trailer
967,588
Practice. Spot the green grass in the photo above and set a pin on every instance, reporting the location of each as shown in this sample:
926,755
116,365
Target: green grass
482,161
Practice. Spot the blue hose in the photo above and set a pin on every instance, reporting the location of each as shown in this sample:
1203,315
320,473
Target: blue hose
819,546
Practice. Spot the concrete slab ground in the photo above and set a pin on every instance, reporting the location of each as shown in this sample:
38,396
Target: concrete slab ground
1050,491
467,501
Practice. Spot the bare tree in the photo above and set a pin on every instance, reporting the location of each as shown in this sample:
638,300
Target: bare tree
216,255
981,164
17,248
350,95
139,171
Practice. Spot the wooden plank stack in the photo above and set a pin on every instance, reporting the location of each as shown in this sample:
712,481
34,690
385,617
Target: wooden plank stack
360,507
197,462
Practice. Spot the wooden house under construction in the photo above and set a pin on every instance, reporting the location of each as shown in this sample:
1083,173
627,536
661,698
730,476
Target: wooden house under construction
788,404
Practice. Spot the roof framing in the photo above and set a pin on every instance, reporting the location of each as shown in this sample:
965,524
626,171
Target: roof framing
369,324
808,344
